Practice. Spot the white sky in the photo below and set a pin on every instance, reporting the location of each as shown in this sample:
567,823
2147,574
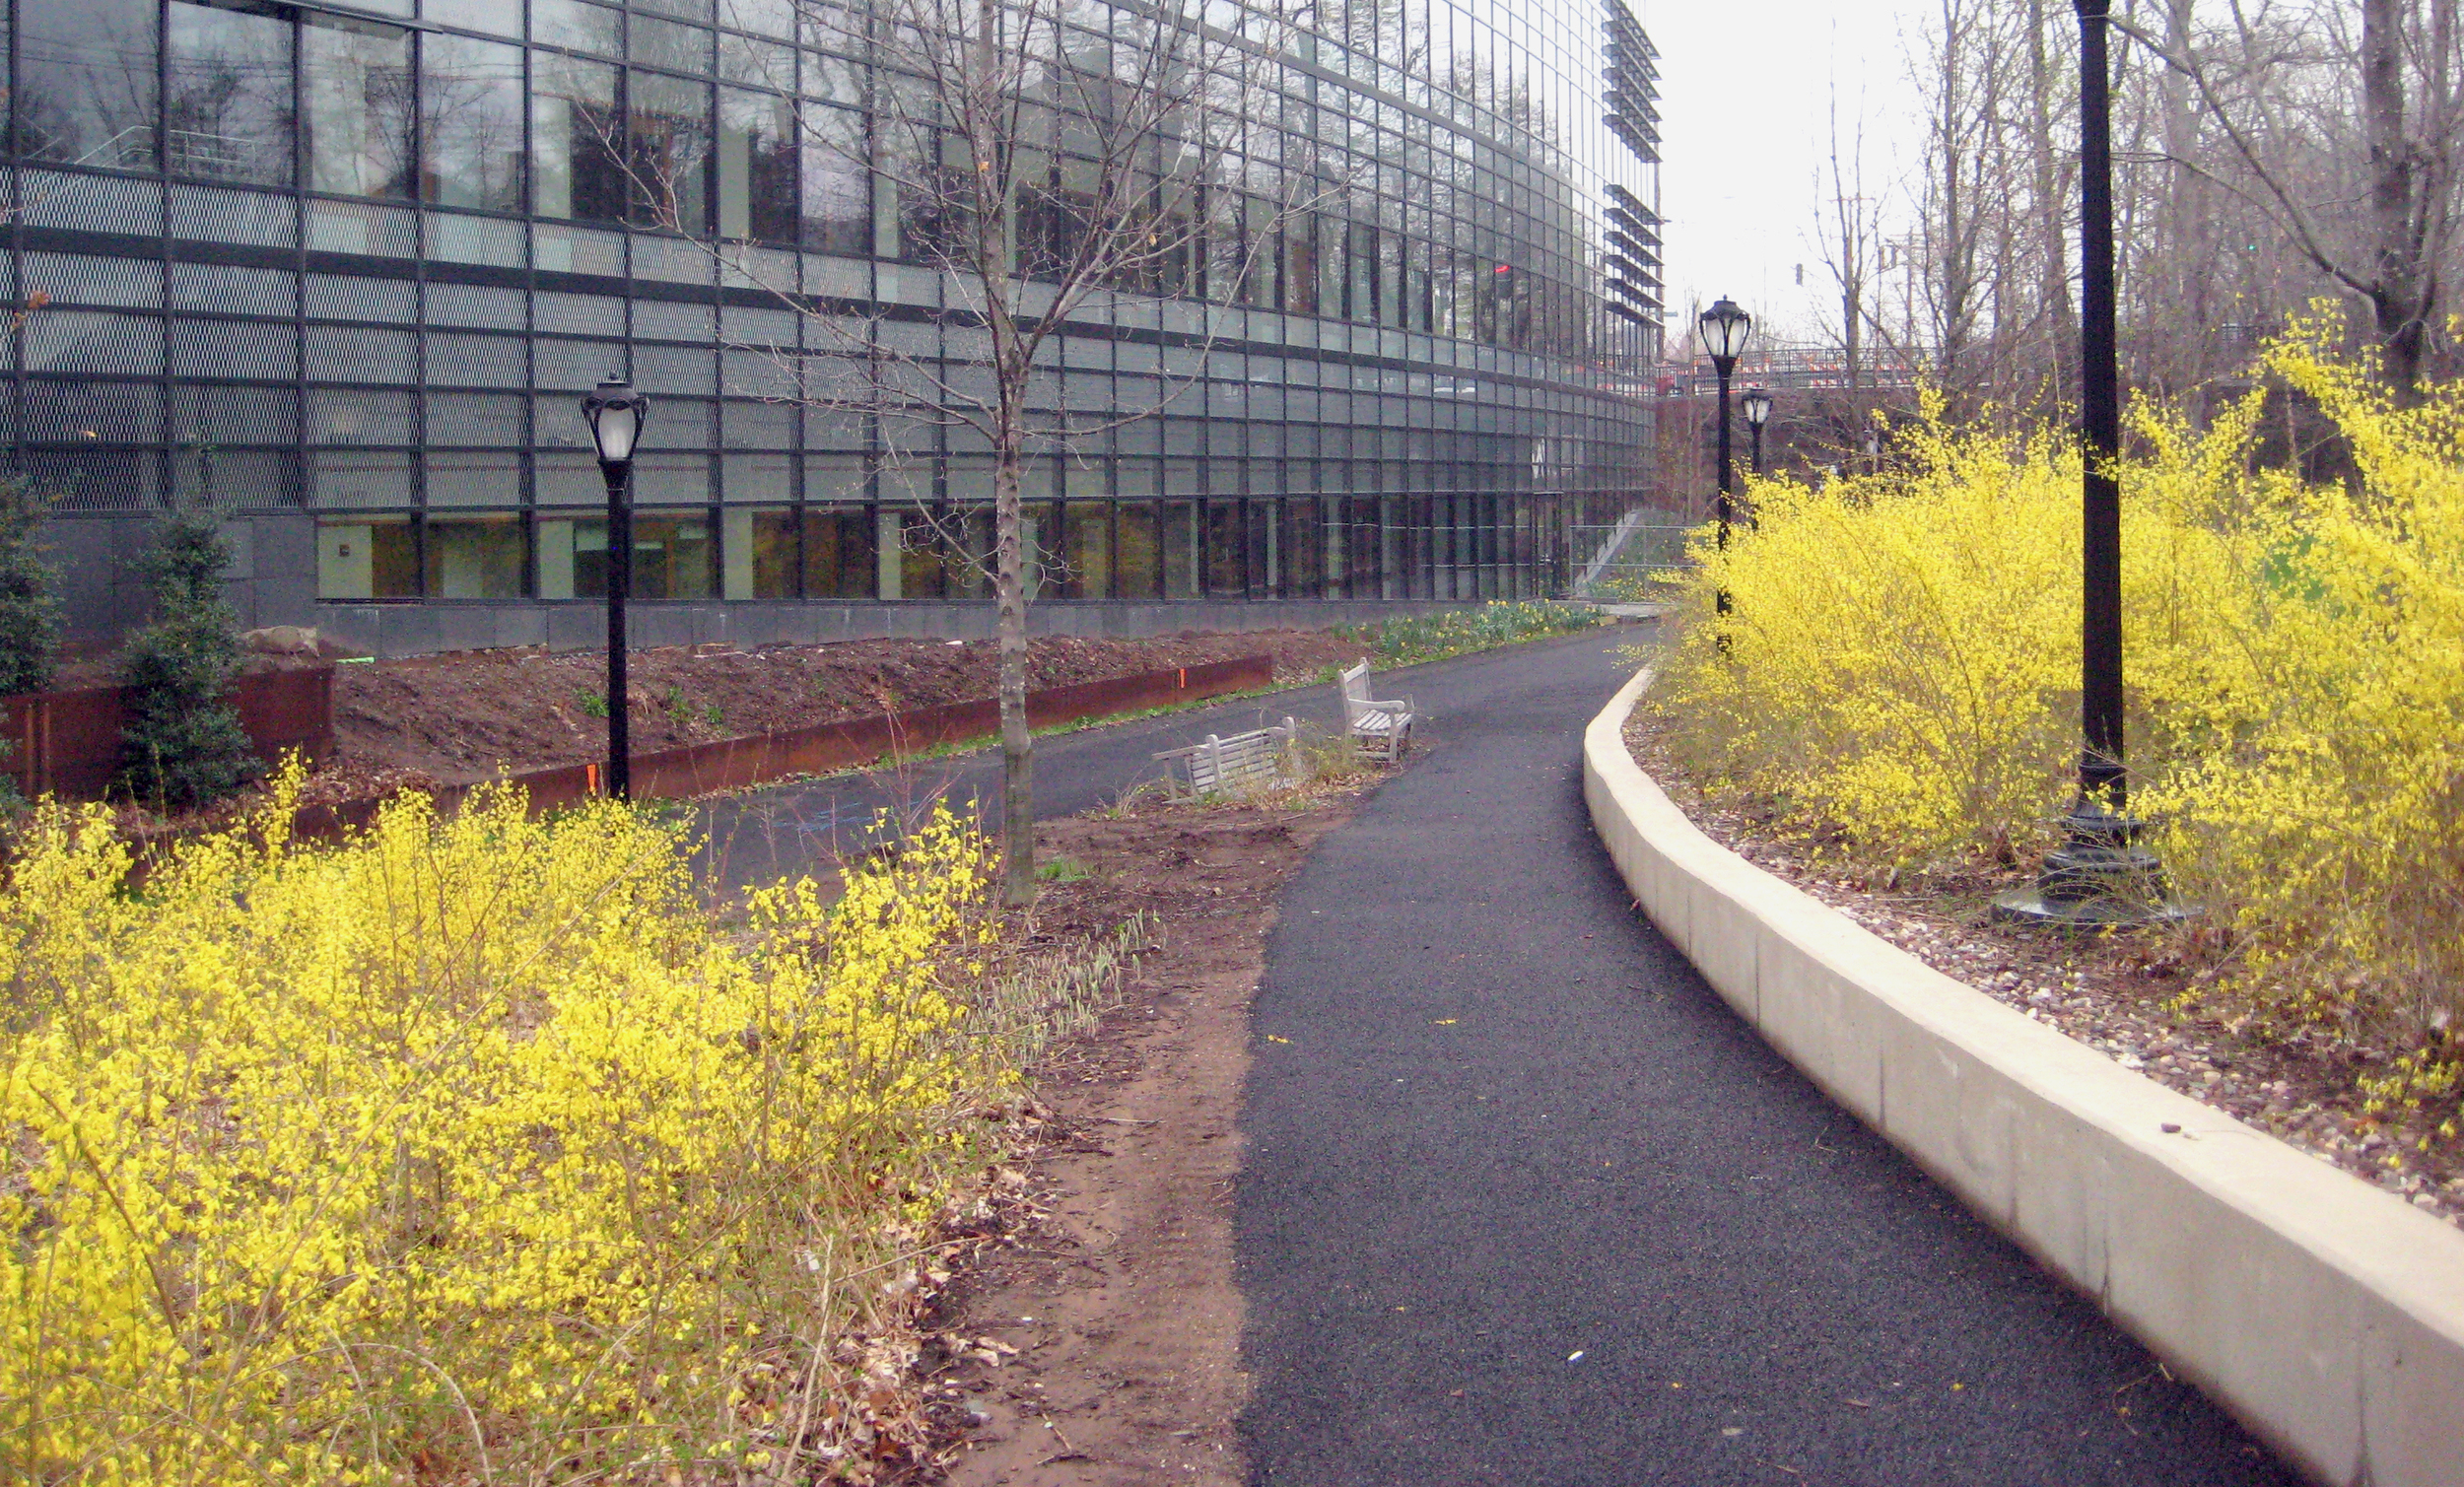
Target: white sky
1745,109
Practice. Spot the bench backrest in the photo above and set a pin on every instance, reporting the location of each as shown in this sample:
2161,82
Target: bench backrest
1354,681
1243,762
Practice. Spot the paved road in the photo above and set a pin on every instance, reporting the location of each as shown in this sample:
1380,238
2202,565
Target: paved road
1525,1204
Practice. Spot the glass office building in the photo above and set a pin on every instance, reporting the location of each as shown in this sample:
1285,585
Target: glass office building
341,271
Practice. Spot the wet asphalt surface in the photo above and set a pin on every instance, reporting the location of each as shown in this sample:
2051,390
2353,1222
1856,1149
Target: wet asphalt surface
1525,1203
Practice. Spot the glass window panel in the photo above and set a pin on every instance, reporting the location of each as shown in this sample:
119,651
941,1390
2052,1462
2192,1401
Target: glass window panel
228,114
838,561
475,558
576,169
664,44
914,571
769,18
571,22
770,554
1303,554
668,124
85,82
1181,550
472,111
756,64
672,556
1087,549
356,97
757,151
497,18
1139,573
367,558
968,533
835,187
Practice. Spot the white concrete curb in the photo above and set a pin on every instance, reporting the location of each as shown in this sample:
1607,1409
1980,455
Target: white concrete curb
2326,1314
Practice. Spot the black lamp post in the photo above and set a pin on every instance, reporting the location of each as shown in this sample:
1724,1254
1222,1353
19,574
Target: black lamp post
1757,405
1724,328
2099,875
616,414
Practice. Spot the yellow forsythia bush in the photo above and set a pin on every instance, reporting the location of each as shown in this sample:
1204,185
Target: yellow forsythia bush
1899,671
467,1150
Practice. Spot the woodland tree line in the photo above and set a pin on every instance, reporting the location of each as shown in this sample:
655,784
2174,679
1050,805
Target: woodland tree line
2266,153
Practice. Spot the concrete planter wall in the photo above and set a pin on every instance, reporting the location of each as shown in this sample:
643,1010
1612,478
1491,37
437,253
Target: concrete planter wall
2324,1313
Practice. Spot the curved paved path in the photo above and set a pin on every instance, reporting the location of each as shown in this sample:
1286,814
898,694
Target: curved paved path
1525,1204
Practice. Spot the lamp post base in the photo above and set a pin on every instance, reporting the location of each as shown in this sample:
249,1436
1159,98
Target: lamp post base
2098,879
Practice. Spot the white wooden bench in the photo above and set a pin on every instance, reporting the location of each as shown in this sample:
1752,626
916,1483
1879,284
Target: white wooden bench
1235,766
1382,727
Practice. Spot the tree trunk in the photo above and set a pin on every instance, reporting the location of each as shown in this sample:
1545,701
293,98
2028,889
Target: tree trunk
2396,297
1017,740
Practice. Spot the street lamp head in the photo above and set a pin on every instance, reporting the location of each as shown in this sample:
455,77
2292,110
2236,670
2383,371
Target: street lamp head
616,414
1724,328
1757,406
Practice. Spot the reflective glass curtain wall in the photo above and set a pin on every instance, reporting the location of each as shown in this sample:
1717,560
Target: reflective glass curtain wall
357,261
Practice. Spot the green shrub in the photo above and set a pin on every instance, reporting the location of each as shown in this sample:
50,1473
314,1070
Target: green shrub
1409,638
1899,674
182,744
30,609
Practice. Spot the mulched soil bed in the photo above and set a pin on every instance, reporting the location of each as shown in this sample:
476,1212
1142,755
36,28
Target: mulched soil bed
2114,992
465,716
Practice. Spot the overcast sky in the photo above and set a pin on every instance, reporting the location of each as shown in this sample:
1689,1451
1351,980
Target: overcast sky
1745,97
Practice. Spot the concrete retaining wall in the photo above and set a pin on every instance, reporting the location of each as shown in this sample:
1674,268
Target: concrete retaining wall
2326,1314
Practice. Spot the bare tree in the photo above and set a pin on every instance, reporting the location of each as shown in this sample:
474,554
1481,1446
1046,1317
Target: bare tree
1053,165
2284,90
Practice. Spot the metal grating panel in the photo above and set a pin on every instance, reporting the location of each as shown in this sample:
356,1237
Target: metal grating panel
206,214
224,350
579,250
755,373
338,416
758,327
580,314
94,203
79,412
666,320
475,304
577,364
236,480
475,240
341,297
673,368
674,259
476,362
91,342
478,420
75,279
234,414
678,423
336,353
232,291
96,479
345,227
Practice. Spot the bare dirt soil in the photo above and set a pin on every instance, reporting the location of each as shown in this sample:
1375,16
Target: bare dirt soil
465,716
1095,1343
2117,993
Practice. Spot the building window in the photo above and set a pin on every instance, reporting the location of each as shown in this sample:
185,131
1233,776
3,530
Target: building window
757,149
671,556
576,163
367,558
228,114
356,97
475,558
85,82
669,122
838,561
471,106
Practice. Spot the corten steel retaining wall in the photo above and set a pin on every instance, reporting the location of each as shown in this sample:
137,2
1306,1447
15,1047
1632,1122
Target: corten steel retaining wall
2326,1314
729,764
68,743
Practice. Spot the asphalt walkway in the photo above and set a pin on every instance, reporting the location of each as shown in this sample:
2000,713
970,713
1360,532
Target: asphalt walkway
1525,1204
